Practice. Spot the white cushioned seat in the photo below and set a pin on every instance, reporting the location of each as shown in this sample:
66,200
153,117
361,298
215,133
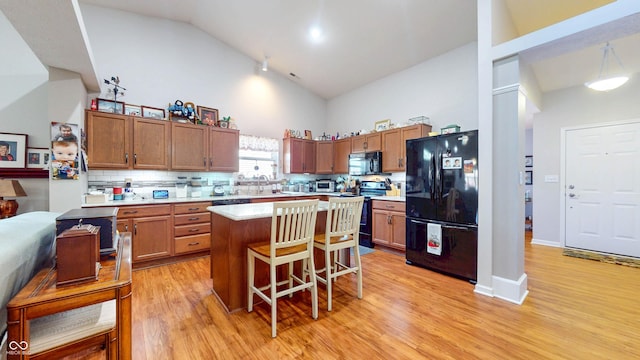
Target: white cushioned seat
66,327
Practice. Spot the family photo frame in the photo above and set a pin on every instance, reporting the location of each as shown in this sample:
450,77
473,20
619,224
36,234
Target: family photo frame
13,150
37,158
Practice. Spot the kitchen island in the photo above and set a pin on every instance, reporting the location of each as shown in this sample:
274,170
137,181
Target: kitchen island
233,227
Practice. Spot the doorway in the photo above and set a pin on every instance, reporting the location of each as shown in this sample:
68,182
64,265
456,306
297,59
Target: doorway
601,196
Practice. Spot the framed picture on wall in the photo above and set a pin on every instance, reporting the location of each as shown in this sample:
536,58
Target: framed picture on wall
37,158
13,149
528,177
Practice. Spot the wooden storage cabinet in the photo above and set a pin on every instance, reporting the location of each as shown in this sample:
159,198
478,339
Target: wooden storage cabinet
394,145
123,142
366,142
324,157
389,224
192,227
341,151
223,149
151,230
189,147
109,140
204,148
299,156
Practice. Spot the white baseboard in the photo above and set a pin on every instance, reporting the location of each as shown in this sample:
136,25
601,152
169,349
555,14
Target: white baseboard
509,290
546,243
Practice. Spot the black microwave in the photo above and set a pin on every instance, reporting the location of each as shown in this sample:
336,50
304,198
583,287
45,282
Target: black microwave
369,163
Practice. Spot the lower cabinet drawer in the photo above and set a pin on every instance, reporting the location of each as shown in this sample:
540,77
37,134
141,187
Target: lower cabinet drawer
192,218
192,243
192,229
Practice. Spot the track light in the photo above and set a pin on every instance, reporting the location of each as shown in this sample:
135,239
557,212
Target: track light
607,81
265,64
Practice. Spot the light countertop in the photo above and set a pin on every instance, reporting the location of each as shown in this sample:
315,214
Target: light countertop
239,212
138,200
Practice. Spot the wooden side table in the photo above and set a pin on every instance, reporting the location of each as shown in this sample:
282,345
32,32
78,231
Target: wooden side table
40,299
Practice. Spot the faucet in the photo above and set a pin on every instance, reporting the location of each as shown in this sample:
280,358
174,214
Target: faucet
260,187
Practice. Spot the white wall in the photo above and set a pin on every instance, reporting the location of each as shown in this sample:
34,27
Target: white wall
444,88
564,108
67,96
159,61
23,105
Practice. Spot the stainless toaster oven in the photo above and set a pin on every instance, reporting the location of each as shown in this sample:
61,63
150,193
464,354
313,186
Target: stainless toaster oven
325,186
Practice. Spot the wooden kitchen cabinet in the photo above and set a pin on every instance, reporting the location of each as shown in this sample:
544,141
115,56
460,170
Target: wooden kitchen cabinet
123,142
109,139
341,151
394,145
189,147
223,149
389,225
192,227
151,230
366,143
151,143
299,156
324,157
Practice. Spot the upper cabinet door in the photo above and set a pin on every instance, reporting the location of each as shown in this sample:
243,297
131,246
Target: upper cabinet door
189,147
341,151
366,143
224,145
324,157
151,142
108,141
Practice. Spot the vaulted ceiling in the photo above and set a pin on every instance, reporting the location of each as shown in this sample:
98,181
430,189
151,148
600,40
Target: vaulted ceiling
362,40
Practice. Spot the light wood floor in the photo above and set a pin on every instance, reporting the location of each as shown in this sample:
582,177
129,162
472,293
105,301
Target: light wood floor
576,309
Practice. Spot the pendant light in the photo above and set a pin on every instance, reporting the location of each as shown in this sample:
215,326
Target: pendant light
607,80
265,64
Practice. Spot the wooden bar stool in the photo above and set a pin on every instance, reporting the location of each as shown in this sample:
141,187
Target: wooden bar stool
292,230
342,231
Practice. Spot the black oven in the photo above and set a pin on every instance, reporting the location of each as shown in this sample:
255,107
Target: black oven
369,189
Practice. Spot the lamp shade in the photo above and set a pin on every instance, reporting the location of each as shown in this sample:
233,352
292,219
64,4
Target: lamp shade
11,188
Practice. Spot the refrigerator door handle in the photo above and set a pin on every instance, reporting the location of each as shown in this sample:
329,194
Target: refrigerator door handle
419,222
454,227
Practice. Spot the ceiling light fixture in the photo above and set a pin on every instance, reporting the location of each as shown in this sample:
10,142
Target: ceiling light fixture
265,64
606,81
316,34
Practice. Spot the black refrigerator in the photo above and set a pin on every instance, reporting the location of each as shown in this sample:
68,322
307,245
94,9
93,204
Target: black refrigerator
442,203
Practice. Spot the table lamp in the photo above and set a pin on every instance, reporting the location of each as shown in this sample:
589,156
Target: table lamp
9,188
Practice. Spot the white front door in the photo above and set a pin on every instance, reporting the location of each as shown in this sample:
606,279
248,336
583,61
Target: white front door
602,189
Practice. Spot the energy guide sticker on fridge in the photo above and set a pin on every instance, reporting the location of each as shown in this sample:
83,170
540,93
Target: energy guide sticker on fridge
434,239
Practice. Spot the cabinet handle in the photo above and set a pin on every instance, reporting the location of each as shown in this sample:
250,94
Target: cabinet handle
194,209
131,212
366,145
390,206
194,218
126,228
135,159
135,229
194,243
210,162
194,230
126,158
